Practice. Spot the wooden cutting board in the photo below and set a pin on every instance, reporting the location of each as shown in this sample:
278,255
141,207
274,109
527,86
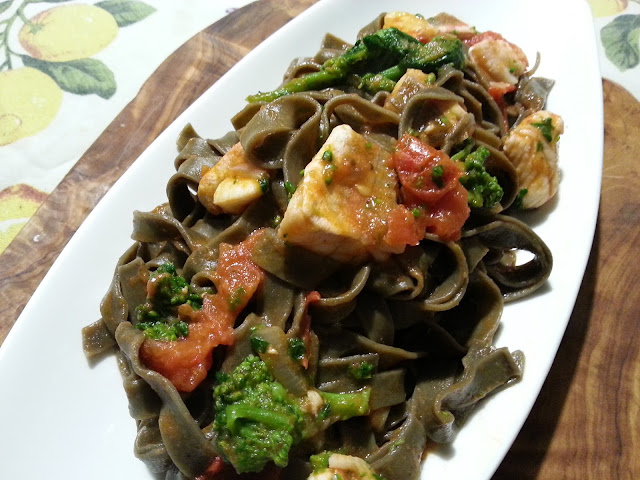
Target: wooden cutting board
586,421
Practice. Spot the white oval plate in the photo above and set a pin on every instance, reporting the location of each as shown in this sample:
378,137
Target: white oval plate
60,416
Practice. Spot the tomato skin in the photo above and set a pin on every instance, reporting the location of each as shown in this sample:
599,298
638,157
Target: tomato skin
414,162
186,361
446,218
439,208
402,228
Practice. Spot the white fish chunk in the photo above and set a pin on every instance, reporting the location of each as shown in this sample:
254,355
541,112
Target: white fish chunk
532,148
341,206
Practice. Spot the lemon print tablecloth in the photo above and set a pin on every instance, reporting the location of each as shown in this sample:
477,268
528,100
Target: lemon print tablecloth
67,68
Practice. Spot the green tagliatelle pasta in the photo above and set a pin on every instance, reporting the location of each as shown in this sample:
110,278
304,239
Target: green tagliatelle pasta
407,333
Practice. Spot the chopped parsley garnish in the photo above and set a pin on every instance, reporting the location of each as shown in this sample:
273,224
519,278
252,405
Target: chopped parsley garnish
437,175
519,201
258,344
362,371
236,299
290,188
546,128
297,348
327,156
264,184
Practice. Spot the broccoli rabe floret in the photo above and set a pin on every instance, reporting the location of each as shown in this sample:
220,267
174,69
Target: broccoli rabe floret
257,420
483,188
386,55
162,330
166,291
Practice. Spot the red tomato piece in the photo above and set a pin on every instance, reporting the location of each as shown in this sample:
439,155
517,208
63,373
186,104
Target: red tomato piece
186,361
435,202
446,218
402,228
425,173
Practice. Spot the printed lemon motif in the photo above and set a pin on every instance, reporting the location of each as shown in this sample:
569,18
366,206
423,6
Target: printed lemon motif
29,100
18,203
68,32
606,8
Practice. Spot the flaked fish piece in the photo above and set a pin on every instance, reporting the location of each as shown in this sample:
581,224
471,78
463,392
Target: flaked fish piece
232,184
499,63
532,148
341,206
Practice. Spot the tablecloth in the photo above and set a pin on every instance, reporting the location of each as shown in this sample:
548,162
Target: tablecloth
67,68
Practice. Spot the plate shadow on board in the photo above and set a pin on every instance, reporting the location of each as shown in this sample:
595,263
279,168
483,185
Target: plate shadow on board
532,443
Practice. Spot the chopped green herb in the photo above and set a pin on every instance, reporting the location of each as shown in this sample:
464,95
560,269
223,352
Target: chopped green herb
275,221
539,147
416,212
362,371
325,411
519,201
236,299
264,184
297,348
258,344
327,156
437,175
290,188
546,128
328,180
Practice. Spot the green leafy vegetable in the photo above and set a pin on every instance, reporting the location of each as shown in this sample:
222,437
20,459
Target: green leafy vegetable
378,61
258,421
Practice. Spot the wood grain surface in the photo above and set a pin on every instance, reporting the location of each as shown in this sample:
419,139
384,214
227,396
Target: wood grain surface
586,422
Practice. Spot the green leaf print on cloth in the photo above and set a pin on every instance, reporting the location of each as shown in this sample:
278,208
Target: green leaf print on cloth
126,12
82,77
620,40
